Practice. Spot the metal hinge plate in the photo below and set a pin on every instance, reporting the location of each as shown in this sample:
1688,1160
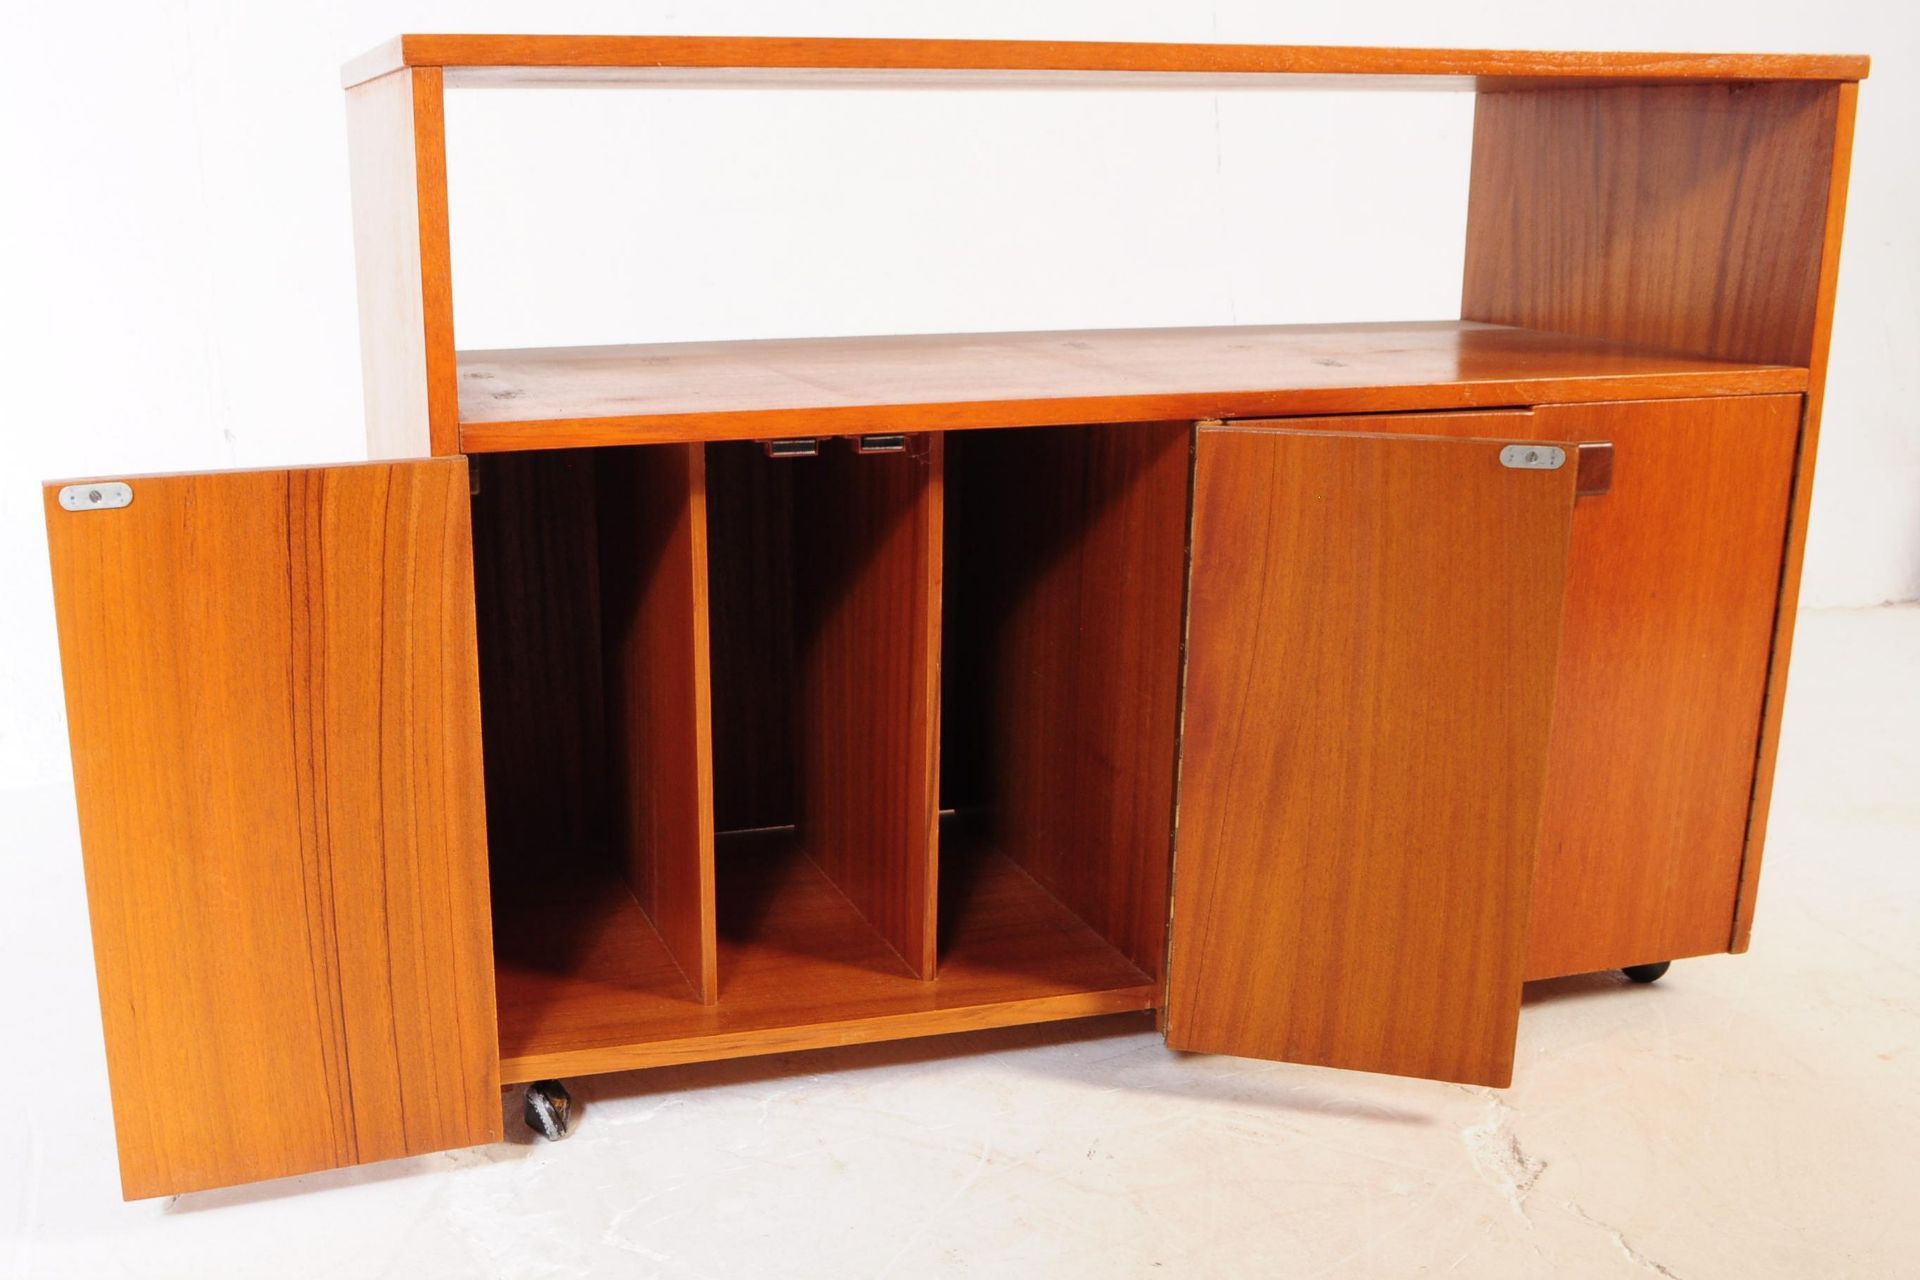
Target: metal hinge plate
1533,457
107,495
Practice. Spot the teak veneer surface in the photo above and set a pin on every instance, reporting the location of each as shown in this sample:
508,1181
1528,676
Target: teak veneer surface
561,397
1846,101
275,721
1685,218
1672,583
1673,580
1706,218
563,59
1372,632
652,511
866,569
586,986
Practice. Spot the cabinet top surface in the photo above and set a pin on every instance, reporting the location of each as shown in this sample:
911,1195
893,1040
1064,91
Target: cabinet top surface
801,61
576,396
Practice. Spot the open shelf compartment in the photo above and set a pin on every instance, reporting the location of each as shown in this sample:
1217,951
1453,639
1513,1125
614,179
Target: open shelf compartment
560,397
684,640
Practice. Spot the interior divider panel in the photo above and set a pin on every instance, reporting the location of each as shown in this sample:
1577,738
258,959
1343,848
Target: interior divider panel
654,639
867,585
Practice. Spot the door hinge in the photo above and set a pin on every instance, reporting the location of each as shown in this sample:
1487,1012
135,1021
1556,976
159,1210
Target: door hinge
1533,457
104,495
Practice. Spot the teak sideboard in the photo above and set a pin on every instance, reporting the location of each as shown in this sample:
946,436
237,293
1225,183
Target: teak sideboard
1315,686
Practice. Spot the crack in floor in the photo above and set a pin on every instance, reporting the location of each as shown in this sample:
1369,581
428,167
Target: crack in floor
1621,1243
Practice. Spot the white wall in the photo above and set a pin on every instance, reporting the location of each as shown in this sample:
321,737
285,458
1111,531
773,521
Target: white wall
178,290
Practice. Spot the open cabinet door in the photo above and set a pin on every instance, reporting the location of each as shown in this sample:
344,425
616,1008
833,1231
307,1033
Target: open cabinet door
1372,630
274,712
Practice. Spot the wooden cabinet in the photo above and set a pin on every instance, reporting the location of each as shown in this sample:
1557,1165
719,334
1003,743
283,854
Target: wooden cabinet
1312,685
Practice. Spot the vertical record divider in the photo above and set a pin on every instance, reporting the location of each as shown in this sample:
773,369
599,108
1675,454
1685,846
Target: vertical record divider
867,554
653,587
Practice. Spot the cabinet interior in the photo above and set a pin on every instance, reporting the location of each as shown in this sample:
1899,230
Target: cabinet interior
725,794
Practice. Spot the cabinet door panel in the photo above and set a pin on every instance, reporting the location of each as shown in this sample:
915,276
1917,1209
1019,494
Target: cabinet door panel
274,715
1372,630
1674,581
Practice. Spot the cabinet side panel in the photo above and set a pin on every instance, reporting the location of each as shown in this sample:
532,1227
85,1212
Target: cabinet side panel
1836,193
1372,631
274,716
1663,665
396,137
1685,217
653,607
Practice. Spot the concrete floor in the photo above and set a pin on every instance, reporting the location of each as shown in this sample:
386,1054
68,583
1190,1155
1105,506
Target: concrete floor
1749,1116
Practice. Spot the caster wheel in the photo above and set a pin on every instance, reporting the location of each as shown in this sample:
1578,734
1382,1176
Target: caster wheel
549,1110
1647,972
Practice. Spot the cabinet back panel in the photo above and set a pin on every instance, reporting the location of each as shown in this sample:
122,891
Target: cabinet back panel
542,695
750,603
1685,217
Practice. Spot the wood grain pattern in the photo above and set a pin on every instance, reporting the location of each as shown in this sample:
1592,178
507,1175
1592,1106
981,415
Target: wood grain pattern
563,397
1372,631
563,59
1836,208
275,725
396,133
1685,218
1672,586
1066,555
586,986
653,606
867,588
542,689
1671,591
1702,219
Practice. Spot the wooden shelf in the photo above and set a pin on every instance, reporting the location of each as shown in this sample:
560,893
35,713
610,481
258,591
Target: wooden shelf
585,984
570,397
795,61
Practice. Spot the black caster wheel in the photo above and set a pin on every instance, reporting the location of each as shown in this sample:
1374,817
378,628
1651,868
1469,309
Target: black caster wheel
549,1110
1647,972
